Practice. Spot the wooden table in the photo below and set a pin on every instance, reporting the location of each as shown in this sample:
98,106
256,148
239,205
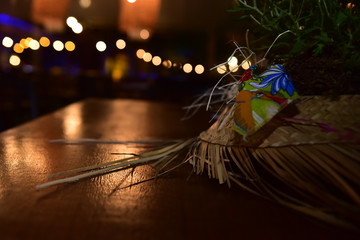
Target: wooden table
171,207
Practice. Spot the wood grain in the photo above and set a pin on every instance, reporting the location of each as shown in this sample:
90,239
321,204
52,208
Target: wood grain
170,207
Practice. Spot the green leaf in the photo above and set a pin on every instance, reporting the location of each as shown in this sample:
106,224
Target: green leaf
298,46
318,48
340,18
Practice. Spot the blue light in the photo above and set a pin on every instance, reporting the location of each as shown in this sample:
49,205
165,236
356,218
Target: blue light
6,19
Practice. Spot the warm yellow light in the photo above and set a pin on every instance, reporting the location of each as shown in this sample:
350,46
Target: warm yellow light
131,1
34,44
350,5
24,43
85,3
144,34
101,46
117,74
18,48
77,28
140,53
147,57
58,45
71,21
234,68
120,44
44,41
156,60
70,46
187,68
14,60
27,42
245,64
7,42
232,61
199,69
221,69
167,63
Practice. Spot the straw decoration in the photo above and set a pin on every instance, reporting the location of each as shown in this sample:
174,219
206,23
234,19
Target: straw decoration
302,152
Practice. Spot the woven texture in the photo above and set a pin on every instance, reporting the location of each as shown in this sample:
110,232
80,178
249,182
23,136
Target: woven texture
306,158
312,120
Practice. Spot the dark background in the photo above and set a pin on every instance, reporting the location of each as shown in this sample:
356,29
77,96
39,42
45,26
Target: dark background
197,32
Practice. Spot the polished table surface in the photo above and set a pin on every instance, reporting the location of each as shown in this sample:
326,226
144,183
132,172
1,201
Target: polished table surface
175,206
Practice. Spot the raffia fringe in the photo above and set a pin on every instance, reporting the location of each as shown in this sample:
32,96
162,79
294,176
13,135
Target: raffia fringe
297,165
319,180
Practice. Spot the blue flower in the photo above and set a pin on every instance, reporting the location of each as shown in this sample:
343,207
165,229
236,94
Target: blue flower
277,76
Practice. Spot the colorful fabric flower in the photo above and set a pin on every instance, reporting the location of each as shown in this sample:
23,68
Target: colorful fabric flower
277,76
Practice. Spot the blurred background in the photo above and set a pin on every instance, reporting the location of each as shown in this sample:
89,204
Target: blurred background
55,52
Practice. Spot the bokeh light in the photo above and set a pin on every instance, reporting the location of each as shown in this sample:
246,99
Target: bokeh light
34,44
232,61
221,69
77,28
27,42
147,57
120,44
14,60
144,34
140,53
7,42
24,43
199,69
44,41
58,45
187,68
156,60
85,3
71,21
234,68
18,48
70,46
167,63
245,64
101,46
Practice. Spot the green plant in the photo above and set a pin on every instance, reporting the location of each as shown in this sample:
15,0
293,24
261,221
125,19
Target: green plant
318,26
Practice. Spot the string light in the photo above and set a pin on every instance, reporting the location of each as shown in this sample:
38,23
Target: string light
187,68
140,53
199,69
221,69
24,43
70,46
71,21
77,28
101,46
7,42
232,61
18,48
245,64
27,42
144,34
156,60
234,68
120,44
147,57
44,41
85,3
14,60
34,44
58,45
167,64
